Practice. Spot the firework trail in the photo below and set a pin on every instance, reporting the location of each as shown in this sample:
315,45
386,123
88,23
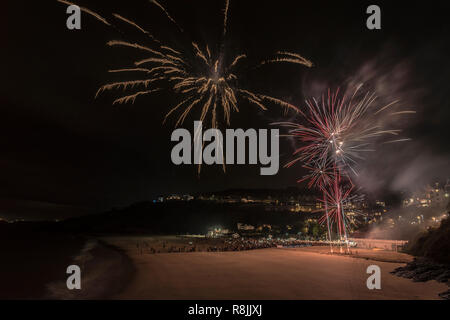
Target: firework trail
336,198
339,200
135,25
290,57
166,13
335,134
225,16
90,12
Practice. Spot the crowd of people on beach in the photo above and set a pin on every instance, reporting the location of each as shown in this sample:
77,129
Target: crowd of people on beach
145,247
251,244
227,244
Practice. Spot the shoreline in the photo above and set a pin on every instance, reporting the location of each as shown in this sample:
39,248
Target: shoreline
106,270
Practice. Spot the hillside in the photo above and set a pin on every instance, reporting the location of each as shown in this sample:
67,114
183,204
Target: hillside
433,244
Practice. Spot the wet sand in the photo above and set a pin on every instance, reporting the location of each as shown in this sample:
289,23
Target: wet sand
105,271
300,273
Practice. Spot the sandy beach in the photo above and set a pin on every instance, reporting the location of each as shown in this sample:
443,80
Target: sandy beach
299,273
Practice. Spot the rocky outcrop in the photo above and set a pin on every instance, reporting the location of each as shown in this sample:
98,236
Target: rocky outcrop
423,269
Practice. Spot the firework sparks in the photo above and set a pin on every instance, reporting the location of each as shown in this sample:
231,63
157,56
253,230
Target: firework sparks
335,134
201,78
214,86
340,131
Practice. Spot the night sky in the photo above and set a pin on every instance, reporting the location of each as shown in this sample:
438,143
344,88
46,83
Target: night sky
65,153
